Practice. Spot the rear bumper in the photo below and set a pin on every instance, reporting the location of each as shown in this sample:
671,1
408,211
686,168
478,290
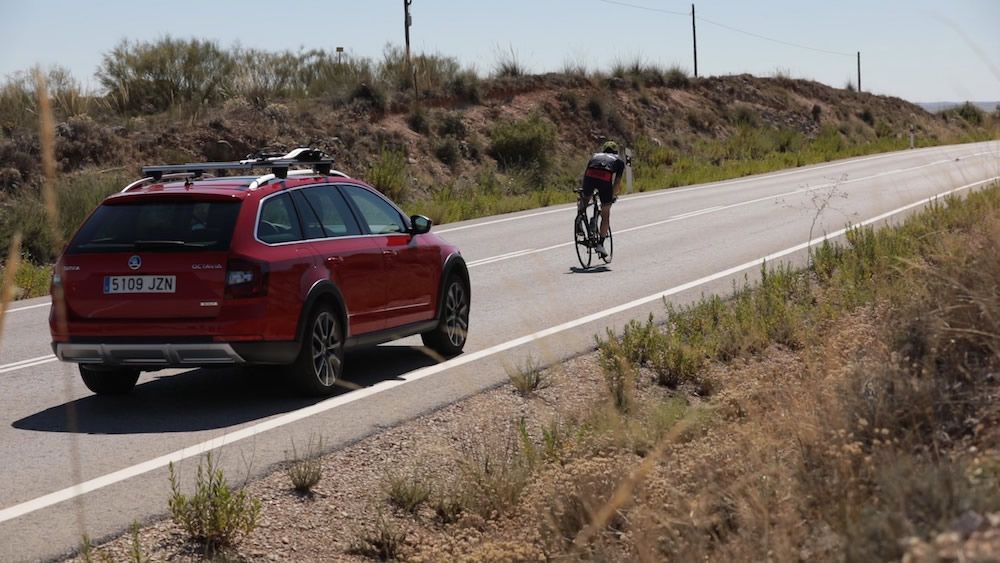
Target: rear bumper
157,355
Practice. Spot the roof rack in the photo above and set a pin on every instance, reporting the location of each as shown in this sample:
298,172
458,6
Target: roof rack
278,163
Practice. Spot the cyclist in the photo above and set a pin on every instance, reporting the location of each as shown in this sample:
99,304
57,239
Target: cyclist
604,174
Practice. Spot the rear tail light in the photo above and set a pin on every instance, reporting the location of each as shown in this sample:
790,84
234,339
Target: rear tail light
245,279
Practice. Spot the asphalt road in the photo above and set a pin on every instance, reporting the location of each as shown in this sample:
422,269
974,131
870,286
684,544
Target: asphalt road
74,463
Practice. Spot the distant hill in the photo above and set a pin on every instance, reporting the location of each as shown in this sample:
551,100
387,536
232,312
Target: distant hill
935,107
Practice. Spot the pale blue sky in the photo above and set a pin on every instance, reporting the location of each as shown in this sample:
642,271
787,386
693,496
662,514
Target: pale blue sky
921,50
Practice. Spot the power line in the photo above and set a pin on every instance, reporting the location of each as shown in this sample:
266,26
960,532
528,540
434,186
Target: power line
729,27
765,38
647,8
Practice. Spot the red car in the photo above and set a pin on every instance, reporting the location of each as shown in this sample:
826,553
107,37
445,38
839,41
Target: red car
286,269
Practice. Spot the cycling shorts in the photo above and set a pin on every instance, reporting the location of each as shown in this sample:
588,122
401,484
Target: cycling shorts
600,180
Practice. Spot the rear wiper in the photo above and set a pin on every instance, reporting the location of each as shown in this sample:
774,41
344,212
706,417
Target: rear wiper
151,244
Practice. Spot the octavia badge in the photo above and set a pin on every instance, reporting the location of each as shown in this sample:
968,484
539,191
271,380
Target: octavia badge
134,262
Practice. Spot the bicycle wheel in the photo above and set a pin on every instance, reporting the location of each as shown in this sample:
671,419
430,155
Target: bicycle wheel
584,251
609,246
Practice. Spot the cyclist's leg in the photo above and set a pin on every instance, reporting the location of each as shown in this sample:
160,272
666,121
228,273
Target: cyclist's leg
586,192
607,198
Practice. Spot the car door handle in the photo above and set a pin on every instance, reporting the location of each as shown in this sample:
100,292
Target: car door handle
335,260
388,252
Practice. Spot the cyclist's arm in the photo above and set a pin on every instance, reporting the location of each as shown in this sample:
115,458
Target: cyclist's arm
617,186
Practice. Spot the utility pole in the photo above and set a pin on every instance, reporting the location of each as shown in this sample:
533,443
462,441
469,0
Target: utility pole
859,72
407,22
694,38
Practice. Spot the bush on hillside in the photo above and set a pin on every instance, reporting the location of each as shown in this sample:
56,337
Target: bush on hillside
526,143
143,77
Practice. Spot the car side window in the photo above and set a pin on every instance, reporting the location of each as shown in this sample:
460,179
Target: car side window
278,221
381,217
334,214
311,227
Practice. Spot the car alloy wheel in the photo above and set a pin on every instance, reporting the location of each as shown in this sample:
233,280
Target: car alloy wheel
326,347
456,314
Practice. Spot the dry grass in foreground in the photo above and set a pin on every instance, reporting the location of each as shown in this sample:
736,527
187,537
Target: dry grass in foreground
843,413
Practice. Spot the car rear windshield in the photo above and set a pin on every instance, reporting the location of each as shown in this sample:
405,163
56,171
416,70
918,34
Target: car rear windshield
162,225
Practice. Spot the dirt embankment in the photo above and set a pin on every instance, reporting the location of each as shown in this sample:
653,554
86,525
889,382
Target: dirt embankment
447,139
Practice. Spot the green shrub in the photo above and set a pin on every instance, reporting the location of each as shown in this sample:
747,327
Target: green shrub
19,98
816,112
527,143
388,174
675,77
419,121
448,152
744,116
970,113
451,125
216,515
77,195
373,94
30,280
465,86
597,106
619,373
148,77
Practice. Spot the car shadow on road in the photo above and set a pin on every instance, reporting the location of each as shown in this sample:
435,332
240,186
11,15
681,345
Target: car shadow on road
208,399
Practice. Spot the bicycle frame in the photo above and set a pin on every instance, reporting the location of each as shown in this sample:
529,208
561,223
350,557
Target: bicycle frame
590,236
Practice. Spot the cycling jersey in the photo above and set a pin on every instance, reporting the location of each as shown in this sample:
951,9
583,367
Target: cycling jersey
602,169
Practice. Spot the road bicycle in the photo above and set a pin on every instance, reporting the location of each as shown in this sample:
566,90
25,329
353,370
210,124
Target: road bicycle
586,232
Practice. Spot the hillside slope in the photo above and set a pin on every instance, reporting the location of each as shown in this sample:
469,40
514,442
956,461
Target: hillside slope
446,139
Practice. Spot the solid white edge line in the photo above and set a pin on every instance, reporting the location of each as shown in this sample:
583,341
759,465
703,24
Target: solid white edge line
50,499
25,363
25,308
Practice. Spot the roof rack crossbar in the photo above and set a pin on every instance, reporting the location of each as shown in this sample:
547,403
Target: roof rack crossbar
279,165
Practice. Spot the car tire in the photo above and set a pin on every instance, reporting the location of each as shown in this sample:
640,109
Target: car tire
109,381
320,363
449,336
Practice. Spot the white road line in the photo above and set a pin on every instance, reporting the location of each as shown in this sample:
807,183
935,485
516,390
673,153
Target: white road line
39,503
514,254
724,183
25,308
27,363
692,214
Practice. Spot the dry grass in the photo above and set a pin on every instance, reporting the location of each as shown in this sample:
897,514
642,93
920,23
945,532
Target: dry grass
407,491
527,378
381,540
305,470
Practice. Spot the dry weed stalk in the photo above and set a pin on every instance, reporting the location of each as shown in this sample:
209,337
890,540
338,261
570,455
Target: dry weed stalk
9,275
47,138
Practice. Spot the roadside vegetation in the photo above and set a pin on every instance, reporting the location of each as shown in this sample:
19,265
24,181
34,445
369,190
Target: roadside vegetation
216,516
444,141
844,411
877,438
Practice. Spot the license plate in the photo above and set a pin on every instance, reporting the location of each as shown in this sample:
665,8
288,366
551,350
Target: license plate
140,284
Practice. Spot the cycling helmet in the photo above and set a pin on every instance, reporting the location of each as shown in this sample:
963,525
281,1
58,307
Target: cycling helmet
610,147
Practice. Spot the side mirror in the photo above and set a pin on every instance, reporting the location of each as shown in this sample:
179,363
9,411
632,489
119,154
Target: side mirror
420,224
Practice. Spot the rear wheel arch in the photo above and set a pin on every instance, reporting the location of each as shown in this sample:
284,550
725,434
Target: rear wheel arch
454,264
322,292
